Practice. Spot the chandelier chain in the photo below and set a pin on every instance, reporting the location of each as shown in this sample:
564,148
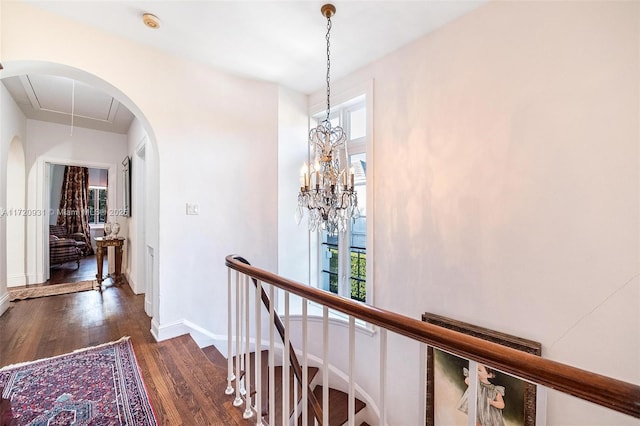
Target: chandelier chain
328,68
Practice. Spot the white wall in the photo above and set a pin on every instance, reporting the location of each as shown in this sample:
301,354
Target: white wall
506,150
16,215
213,147
142,270
135,138
293,124
12,130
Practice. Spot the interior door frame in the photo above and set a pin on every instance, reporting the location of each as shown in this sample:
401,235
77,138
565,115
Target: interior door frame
44,188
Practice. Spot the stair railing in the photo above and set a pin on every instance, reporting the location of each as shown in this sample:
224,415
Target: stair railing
604,391
242,362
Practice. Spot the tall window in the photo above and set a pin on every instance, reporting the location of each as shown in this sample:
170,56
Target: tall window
343,258
97,204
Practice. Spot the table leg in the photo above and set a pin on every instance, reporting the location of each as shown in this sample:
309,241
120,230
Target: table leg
118,250
99,256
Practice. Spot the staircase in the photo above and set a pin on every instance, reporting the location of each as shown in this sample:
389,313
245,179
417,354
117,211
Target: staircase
338,400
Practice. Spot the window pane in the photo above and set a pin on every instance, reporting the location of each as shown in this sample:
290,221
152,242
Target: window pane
359,165
92,205
358,120
334,119
359,233
358,259
358,274
329,253
358,241
102,205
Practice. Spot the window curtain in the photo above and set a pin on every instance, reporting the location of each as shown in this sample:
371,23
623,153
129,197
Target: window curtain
74,203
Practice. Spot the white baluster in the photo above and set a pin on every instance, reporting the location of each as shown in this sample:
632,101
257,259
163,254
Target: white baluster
541,405
352,361
272,351
247,352
295,399
258,313
473,394
325,365
286,383
238,400
243,381
305,365
230,376
383,376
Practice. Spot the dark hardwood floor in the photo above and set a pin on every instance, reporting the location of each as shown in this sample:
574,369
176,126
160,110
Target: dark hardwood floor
70,273
184,387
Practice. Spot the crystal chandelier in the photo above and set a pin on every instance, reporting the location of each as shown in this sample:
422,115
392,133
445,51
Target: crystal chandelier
327,192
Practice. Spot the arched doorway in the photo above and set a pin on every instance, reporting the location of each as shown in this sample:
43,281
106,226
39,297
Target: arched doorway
34,186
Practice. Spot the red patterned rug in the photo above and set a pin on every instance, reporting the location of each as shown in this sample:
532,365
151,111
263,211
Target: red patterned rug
94,386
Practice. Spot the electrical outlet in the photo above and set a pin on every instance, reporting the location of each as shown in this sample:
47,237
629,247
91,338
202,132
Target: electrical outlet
193,208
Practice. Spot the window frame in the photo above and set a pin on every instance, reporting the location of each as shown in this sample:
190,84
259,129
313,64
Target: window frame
96,205
346,103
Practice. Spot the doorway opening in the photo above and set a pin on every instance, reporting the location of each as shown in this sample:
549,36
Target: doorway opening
95,197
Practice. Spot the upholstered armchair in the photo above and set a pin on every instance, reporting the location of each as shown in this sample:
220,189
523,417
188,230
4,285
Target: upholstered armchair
65,248
60,231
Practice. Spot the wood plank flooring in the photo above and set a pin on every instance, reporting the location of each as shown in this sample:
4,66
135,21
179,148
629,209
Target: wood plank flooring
184,387
70,273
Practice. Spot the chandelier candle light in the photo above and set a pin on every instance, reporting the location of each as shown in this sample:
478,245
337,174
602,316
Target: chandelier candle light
327,192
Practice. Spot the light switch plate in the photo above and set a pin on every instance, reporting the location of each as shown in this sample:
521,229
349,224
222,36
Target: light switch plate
193,208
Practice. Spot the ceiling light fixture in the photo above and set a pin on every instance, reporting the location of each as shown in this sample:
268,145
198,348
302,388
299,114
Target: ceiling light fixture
151,21
327,192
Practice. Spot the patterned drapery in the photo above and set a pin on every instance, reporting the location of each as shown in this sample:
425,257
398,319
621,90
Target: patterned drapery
74,203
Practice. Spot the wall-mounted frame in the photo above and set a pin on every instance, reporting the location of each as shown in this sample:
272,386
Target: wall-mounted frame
126,186
446,380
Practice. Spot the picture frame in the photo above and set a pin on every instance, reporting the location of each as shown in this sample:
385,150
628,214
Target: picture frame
126,186
445,378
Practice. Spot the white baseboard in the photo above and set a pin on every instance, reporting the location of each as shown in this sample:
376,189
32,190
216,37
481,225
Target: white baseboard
132,283
154,329
202,336
35,278
4,303
148,306
16,280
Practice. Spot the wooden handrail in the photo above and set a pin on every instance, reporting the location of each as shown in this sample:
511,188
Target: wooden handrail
605,391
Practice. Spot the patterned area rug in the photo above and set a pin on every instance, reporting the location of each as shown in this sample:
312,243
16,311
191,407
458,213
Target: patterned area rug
98,386
50,290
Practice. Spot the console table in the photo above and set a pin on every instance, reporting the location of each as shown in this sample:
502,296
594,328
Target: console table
102,245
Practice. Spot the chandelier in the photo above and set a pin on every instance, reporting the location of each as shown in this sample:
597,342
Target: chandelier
327,192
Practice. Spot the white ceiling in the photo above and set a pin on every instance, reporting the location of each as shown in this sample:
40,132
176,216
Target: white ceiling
272,40
65,101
